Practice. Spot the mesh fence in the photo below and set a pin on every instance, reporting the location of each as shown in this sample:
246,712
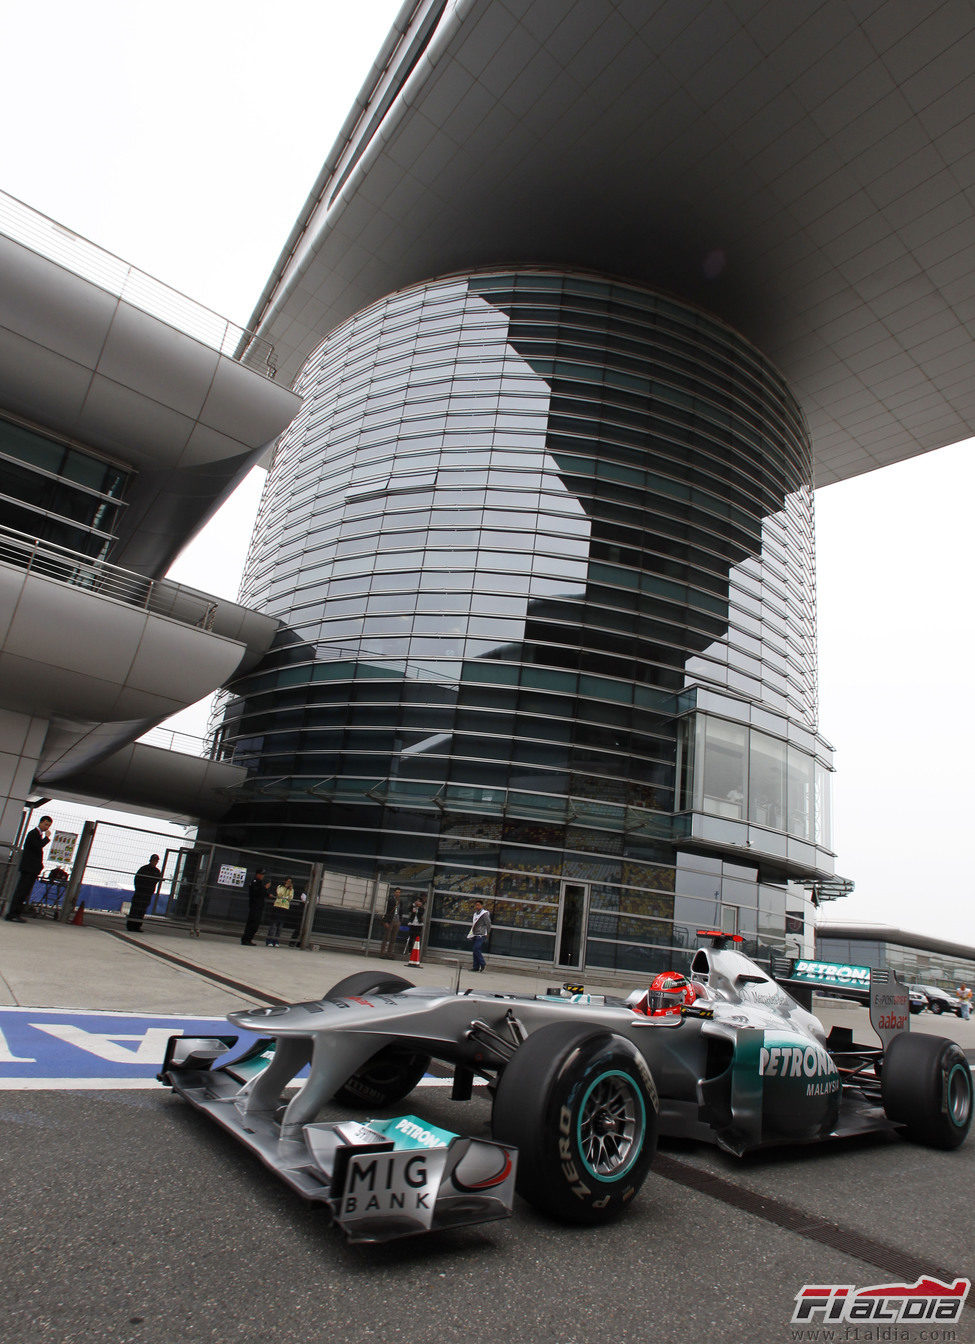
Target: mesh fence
208,884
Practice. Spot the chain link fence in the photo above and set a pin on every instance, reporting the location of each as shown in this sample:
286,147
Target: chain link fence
205,886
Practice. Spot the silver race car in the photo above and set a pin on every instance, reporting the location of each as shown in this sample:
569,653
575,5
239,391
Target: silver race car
581,1086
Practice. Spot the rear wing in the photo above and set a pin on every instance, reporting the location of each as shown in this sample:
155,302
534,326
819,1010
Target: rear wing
874,987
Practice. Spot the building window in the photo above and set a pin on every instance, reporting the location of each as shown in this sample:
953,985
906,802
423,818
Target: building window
766,777
54,492
728,770
725,768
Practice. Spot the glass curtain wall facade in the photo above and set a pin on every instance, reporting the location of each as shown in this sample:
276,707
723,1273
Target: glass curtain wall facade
911,965
57,492
525,530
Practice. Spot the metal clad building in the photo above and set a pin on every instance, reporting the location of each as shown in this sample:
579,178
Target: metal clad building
585,302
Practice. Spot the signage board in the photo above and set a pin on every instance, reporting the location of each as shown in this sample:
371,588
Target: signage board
60,852
231,876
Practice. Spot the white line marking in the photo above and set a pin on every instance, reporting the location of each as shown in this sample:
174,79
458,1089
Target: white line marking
117,1012
120,1084
75,1084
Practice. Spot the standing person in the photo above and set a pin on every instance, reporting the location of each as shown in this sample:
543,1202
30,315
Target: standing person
31,863
414,926
479,930
279,908
256,893
390,922
965,999
298,906
144,885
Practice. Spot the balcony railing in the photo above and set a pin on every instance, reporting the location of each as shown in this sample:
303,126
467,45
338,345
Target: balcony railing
171,739
41,234
159,596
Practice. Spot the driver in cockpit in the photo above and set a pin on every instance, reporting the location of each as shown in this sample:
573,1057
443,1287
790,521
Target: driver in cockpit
669,992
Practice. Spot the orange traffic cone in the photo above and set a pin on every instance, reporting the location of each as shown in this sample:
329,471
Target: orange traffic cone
79,915
415,953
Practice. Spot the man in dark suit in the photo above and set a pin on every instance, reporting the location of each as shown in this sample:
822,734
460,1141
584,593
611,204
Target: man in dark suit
256,893
31,863
144,884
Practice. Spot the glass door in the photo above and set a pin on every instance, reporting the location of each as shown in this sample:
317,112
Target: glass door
570,938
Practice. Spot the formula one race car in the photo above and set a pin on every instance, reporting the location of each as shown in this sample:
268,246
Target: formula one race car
581,1085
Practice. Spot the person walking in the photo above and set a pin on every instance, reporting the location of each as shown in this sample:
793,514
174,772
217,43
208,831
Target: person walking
256,895
31,863
390,922
280,907
965,999
144,886
478,933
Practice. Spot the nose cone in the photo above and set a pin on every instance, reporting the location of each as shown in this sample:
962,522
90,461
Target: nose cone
281,1019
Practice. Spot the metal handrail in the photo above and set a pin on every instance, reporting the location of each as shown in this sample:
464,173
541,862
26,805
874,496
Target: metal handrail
173,739
46,236
159,596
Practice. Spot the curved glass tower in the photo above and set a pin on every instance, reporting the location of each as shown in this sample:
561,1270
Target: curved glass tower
542,545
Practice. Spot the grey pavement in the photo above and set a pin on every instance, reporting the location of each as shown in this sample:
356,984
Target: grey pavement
167,970
128,1219
100,965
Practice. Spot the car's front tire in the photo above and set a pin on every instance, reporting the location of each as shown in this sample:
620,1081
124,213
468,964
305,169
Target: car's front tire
392,1073
580,1105
926,1085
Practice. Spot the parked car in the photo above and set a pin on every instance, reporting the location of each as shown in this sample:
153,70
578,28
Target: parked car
919,1001
938,1000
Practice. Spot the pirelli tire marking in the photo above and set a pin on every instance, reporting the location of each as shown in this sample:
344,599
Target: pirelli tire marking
580,1104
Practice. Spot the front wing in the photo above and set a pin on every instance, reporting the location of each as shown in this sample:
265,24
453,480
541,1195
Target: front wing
381,1179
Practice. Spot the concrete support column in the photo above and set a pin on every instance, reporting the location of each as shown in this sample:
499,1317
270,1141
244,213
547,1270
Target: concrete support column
21,739
70,899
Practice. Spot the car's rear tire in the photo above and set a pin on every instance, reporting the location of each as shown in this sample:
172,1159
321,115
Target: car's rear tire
392,1073
580,1105
937,1007
926,1085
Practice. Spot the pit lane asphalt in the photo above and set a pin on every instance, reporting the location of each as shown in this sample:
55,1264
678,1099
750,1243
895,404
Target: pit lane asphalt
128,1217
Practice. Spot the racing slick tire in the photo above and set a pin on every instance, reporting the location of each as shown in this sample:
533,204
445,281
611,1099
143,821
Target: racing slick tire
392,1073
926,1085
580,1105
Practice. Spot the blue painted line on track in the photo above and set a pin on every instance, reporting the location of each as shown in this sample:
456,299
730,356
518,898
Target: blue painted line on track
65,1049
59,1048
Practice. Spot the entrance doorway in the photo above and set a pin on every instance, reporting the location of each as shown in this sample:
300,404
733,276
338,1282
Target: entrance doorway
570,938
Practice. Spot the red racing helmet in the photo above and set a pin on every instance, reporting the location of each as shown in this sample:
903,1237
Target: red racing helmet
669,991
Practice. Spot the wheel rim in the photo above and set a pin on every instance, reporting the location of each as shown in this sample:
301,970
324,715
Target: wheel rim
611,1126
959,1095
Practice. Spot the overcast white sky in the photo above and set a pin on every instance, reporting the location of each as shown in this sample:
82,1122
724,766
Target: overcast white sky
185,139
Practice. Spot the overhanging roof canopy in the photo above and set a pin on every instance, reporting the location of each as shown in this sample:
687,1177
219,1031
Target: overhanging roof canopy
803,171
187,419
